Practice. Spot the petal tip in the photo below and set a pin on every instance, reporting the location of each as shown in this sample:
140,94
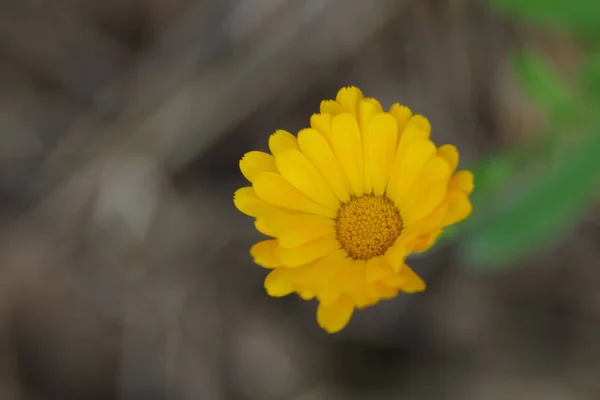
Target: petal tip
335,316
350,90
277,285
421,122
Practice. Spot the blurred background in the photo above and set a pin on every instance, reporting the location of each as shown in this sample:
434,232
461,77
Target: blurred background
124,267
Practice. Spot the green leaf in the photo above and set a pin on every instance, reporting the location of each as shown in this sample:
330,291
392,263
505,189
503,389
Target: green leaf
589,76
543,84
541,212
578,15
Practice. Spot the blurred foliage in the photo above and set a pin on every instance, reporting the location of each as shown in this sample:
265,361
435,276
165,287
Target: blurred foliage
528,197
580,16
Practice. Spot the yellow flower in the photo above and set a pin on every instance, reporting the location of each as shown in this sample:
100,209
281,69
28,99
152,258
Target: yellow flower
347,200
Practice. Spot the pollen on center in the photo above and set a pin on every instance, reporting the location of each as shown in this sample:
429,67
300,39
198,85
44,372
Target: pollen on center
367,226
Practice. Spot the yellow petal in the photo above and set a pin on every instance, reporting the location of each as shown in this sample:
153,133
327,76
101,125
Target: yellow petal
449,153
302,174
365,298
367,109
297,229
418,126
331,107
375,103
307,277
462,181
278,283
459,207
396,254
348,98
427,192
430,223
385,292
382,138
307,253
316,148
322,124
275,189
424,242
407,167
371,295
265,254
347,148
352,278
306,295
329,267
267,222
378,269
412,283
264,226
402,114
255,162
335,316
246,200
282,140
312,277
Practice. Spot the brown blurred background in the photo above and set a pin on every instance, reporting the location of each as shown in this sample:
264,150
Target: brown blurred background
124,267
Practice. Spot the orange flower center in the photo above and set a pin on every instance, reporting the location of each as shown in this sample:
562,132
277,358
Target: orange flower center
367,226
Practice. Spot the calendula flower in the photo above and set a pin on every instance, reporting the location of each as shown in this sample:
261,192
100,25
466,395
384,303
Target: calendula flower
347,200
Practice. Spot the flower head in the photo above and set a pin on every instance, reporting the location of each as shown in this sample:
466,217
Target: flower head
347,200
